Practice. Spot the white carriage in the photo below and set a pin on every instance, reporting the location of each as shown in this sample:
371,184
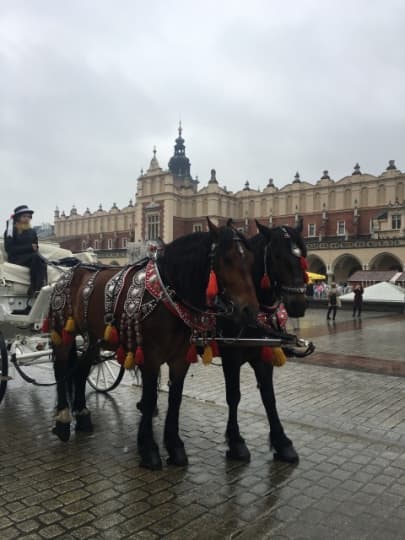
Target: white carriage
23,345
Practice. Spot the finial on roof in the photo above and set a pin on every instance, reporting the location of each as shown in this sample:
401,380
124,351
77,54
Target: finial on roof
180,128
270,183
356,169
297,178
130,204
391,165
100,207
247,185
213,179
56,213
325,175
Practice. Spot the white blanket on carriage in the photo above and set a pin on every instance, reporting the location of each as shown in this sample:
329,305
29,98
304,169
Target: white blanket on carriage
20,274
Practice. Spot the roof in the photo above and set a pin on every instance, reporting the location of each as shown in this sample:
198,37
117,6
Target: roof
372,275
380,292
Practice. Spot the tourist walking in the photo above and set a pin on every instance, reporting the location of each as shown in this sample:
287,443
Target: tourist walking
358,300
333,301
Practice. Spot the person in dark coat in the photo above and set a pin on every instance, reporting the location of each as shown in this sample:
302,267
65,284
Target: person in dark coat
21,245
358,300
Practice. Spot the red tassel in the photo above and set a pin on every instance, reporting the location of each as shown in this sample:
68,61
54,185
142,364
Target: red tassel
114,338
212,287
214,348
191,357
139,356
67,337
45,325
265,281
121,354
303,263
266,355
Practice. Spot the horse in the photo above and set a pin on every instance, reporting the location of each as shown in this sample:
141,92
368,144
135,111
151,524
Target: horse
279,274
149,314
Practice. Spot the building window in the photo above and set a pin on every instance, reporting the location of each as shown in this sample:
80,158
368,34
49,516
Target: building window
109,243
341,229
124,243
311,229
96,244
84,244
396,221
153,226
197,227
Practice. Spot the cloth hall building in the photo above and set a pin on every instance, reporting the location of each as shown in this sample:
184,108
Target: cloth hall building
354,223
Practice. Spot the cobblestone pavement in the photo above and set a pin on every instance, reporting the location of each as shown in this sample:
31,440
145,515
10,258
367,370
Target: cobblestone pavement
348,427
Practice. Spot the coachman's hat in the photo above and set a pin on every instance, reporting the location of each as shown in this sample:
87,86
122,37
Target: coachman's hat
23,209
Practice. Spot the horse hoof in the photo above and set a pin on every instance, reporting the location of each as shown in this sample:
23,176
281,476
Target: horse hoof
151,460
177,457
238,451
287,454
84,423
62,430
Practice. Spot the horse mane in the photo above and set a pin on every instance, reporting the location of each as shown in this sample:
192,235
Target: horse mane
185,263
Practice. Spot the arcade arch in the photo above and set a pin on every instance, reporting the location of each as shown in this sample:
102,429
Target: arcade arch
316,264
385,261
344,266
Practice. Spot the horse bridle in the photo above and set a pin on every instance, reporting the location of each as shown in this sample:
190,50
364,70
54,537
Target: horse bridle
295,250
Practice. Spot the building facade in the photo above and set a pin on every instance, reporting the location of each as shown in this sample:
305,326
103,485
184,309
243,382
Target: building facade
354,223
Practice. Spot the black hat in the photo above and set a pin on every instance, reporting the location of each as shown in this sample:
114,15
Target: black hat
23,209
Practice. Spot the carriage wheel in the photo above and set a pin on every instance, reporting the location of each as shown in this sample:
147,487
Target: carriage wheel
106,374
3,366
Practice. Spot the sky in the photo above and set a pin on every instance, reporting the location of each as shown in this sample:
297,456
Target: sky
263,89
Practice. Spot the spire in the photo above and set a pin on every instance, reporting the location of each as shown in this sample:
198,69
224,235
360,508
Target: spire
179,164
154,164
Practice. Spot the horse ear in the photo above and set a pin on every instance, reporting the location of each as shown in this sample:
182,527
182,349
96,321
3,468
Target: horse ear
213,229
263,230
300,225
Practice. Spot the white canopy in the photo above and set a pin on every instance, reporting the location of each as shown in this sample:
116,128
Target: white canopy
380,292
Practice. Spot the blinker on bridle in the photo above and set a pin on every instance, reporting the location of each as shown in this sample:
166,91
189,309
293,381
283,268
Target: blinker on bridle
296,251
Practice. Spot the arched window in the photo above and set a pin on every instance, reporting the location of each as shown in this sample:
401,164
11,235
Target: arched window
364,196
348,198
381,194
332,200
317,201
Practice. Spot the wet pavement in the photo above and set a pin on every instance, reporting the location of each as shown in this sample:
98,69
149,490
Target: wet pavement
347,425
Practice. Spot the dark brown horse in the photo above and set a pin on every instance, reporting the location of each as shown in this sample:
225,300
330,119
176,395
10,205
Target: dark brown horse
279,274
150,329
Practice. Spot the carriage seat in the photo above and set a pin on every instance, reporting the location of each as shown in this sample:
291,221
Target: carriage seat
20,276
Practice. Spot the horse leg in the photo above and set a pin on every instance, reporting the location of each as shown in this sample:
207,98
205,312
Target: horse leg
283,446
174,444
80,374
238,449
147,447
63,417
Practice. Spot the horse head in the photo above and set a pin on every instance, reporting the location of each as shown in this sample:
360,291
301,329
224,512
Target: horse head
232,261
280,254
191,264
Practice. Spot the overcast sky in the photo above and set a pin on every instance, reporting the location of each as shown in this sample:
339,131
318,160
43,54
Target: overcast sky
263,89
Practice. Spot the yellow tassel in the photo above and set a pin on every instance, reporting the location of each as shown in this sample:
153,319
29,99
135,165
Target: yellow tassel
56,338
70,325
207,355
107,332
129,361
279,358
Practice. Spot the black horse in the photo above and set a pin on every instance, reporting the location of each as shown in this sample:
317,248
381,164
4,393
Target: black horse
279,254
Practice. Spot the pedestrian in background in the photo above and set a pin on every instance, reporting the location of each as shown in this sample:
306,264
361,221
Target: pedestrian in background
358,300
333,301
